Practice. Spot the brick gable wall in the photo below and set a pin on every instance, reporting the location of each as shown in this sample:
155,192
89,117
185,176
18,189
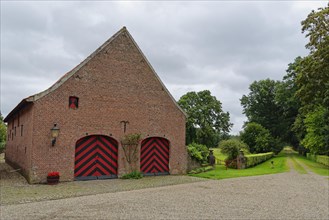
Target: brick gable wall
117,84
19,145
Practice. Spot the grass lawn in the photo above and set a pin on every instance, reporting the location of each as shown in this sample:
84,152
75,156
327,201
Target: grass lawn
280,165
218,154
314,166
220,171
298,167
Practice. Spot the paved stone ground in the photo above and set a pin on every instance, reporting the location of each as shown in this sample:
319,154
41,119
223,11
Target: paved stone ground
280,196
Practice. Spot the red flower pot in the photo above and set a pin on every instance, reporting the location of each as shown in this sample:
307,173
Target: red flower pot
52,180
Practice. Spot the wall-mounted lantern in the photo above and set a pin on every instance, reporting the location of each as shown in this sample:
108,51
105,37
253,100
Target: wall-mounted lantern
54,134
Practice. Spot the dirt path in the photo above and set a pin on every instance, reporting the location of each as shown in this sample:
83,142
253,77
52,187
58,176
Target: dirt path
293,161
291,165
305,167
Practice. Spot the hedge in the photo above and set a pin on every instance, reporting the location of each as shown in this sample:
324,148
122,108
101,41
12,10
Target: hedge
201,170
254,159
318,158
2,147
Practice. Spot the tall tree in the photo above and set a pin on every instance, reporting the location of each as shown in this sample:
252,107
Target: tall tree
207,121
285,97
313,77
3,130
261,107
313,84
317,127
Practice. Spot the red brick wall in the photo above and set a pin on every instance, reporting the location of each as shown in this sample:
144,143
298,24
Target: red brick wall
117,84
19,146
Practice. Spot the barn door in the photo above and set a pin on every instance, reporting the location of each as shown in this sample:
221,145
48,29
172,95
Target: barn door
155,156
96,157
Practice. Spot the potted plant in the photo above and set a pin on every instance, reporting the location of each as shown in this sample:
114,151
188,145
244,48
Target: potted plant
53,178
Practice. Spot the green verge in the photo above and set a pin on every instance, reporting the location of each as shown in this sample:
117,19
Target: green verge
298,167
314,166
218,154
220,171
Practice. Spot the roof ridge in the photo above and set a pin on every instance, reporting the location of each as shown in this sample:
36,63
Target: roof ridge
68,75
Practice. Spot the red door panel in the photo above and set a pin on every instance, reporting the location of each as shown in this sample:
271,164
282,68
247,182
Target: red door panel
155,156
96,157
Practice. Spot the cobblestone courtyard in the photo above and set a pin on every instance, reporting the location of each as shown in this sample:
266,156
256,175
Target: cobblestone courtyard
280,196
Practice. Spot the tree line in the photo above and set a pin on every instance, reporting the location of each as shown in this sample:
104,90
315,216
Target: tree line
295,110
292,111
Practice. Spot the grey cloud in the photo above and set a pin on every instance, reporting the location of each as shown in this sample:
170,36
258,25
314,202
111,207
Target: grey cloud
221,46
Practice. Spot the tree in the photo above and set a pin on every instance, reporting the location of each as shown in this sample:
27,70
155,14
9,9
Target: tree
259,139
313,77
3,130
232,148
206,121
285,97
317,127
313,84
198,151
261,107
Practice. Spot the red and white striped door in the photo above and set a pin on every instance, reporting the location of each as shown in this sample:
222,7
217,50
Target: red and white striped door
96,157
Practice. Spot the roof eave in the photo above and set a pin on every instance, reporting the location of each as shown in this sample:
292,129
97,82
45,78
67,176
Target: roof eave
18,107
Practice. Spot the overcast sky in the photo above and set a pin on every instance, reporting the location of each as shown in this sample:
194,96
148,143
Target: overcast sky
220,46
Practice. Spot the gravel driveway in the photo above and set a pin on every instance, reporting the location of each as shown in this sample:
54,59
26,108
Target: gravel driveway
279,196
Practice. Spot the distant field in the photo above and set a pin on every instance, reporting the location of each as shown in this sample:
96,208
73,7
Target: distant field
218,154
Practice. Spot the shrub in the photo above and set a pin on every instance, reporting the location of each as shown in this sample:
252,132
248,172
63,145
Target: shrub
198,151
201,170
259,139
276,145
232,148
317,129
318,158
322,159
254,159
2,147
231,164
131,139
311,156
132,175
3,130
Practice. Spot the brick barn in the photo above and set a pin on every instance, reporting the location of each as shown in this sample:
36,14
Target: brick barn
112,93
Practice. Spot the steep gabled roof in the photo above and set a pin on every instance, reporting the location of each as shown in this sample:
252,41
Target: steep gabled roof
63,79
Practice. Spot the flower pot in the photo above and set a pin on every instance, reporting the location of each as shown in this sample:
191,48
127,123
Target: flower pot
52,180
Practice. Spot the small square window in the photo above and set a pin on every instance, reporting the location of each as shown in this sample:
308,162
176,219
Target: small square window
73,102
